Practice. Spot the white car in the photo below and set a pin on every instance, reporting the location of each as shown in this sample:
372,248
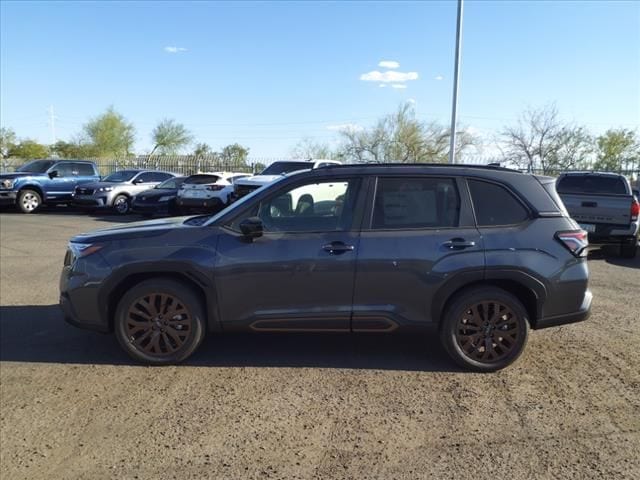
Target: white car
275,171
207,191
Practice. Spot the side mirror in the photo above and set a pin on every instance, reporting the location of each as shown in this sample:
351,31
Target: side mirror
251,227
53,174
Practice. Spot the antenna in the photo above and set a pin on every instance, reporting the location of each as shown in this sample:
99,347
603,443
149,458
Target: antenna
52,124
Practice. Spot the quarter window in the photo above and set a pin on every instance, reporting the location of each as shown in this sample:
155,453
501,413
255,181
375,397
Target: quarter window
495,205
415,202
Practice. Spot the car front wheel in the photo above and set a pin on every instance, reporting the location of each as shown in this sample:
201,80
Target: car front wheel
29,201
484,329
122,204
160,322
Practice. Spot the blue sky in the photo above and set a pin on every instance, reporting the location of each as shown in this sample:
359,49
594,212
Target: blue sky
268,74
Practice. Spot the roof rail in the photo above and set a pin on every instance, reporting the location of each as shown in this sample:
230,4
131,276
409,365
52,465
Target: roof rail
441,165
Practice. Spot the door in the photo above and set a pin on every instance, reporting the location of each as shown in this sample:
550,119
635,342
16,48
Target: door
85,173
62,185
299,274
419,236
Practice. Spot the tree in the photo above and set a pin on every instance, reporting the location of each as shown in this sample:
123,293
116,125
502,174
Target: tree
202,149
401,137
617,150
110,134
169,137
76,148
7,141
541,140
234,156
309,149
29,149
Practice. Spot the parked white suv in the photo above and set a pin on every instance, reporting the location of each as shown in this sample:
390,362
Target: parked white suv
274,171
207,191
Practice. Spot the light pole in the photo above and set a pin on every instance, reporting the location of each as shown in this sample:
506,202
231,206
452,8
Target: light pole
456,72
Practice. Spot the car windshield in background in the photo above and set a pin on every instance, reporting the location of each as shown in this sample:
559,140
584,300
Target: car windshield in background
38,166
201,179
591,184
122,176
171,184
278,168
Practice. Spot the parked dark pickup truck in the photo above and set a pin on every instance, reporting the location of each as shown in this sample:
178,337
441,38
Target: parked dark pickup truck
604,205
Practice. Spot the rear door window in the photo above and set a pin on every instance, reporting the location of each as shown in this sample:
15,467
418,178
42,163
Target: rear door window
84,169
415,202
495,205
598,184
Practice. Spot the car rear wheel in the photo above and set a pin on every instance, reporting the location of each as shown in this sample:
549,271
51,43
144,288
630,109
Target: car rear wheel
122,204
160,322
484,329
29,201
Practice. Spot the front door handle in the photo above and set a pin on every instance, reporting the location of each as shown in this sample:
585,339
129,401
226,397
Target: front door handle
458,244
337,248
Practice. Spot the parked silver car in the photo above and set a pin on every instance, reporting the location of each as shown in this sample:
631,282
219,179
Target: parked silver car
116,190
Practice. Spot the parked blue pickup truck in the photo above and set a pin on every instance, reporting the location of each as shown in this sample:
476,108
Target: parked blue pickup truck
45,182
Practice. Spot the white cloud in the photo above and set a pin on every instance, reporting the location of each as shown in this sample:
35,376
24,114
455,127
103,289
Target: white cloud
382,85
172,49
398,85
388,77
438,77
342,127
388,64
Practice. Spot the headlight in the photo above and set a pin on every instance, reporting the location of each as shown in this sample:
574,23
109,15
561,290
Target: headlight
165,199
105,189
80,250
8,183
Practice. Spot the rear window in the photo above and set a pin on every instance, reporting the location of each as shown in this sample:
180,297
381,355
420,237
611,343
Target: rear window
419,202
592,184
201,179
278,168
494,205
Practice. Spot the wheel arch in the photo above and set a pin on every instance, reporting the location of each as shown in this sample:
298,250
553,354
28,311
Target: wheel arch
116,290
33,186
529,290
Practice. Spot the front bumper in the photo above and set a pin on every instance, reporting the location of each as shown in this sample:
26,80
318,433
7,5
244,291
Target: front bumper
8,197
91,201
582,314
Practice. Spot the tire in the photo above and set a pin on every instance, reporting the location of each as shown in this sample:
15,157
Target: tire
628,250
122,204
29,201
473,339
139,322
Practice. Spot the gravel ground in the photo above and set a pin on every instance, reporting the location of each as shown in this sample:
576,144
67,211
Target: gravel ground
306,406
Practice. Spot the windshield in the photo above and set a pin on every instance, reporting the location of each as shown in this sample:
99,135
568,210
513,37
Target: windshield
37,166
171,184
278,168
121,176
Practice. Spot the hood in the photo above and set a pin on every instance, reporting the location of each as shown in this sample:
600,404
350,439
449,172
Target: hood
96,185
157,193
149,228
5,175
258,180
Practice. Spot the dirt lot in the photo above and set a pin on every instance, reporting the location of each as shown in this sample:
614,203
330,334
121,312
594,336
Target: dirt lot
303,406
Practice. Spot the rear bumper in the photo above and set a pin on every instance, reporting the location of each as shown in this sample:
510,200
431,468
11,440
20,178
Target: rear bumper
573,317
606,233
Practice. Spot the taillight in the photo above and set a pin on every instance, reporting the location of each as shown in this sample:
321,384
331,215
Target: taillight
635,209
215,187
576,241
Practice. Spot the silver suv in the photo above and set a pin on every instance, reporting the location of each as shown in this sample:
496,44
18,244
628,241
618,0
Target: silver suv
116,190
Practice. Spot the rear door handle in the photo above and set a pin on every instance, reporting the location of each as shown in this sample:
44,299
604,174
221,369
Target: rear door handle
458,244
337,248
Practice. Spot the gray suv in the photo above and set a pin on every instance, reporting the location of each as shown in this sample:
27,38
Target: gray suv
479,255
116,191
